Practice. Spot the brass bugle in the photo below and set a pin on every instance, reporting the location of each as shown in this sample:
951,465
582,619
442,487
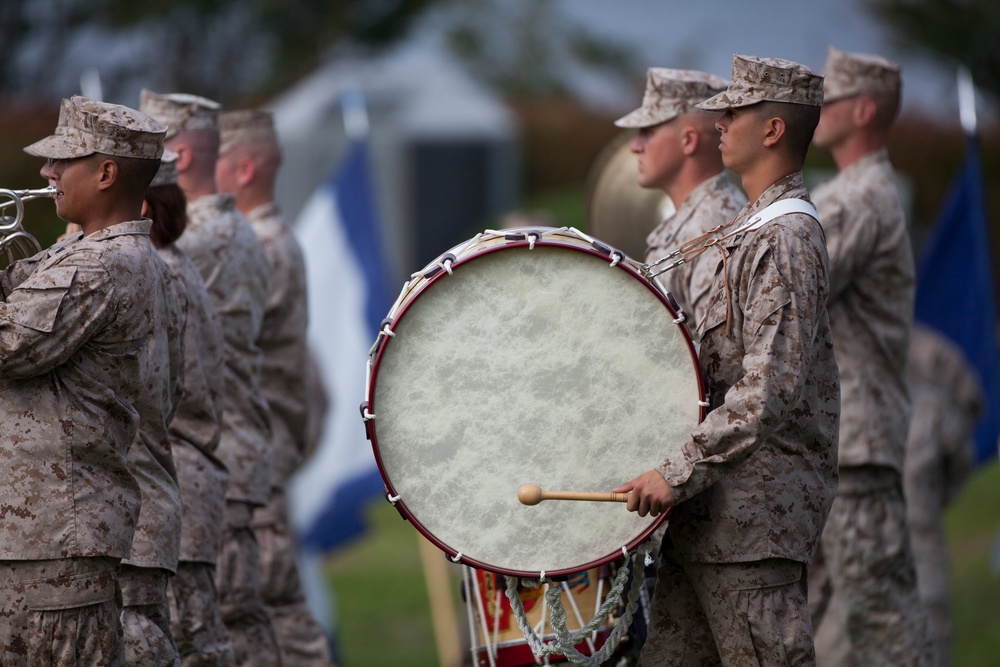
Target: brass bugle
15,242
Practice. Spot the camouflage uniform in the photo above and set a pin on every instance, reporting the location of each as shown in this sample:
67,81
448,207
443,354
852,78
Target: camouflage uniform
76,325
939,455
866,559
144,574
201,637
60,329
714,202
731,530
317,404
754,484
282,340
221,244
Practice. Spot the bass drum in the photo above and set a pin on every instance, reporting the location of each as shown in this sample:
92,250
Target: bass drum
528,356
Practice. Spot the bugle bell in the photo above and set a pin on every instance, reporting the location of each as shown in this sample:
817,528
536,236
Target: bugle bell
15,242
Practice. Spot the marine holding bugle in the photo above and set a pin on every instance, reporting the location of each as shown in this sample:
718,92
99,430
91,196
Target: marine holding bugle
15,242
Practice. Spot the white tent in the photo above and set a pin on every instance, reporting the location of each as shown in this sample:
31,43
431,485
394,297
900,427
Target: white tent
443,147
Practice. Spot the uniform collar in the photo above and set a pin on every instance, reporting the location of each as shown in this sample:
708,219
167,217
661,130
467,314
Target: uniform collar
783,187
265,210
133,227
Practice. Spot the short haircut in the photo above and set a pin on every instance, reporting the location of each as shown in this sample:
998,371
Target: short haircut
800,123
266,157
168,211
886,109
204,147
136,173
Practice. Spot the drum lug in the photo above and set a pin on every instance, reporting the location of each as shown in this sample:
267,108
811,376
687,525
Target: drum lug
443,264
392,500
531,236
681,315
368,419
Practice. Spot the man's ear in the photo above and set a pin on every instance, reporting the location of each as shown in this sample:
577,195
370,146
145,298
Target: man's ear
246,171
106,174
184,157
774,130
690,140
864,111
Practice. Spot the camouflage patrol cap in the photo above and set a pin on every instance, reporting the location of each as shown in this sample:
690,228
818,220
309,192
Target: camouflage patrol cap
849,74
86,127
245,126
167,173
768,80
180,112
669,93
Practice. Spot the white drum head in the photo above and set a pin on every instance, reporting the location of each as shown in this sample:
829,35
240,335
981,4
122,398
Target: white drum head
539,366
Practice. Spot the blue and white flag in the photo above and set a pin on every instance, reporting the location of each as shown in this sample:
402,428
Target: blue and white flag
955,292
348,297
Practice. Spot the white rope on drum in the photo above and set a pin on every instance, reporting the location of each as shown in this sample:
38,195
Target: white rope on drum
566,640
576,613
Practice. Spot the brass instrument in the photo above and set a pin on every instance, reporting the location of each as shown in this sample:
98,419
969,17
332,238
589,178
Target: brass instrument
15,242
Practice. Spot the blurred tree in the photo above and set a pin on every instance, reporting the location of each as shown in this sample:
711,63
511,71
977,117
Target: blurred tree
528,48
246,50
963,30
221,48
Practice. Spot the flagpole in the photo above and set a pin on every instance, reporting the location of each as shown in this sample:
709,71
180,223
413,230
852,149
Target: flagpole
966,100
444,620
352,105
90,84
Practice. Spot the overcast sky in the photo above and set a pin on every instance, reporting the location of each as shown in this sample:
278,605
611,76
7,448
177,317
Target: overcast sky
704,34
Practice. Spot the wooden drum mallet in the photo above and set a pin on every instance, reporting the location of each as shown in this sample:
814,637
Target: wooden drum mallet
532,494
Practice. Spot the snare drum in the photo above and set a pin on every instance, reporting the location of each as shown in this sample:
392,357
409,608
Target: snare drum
496,639
528,356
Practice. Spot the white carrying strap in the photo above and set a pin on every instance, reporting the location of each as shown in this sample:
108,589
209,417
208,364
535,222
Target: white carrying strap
780,207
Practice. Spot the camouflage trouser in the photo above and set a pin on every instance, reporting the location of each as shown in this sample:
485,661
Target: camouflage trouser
146,618
930,552
237,579
863,583
730,614
60,612
202,639
301,639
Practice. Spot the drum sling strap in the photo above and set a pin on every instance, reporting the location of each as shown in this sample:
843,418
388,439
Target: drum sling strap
715,237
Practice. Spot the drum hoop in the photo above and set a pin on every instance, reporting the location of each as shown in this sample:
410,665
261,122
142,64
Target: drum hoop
400,504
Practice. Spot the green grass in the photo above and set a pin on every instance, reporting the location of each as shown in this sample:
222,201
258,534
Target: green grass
380,597
384,618
972,524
